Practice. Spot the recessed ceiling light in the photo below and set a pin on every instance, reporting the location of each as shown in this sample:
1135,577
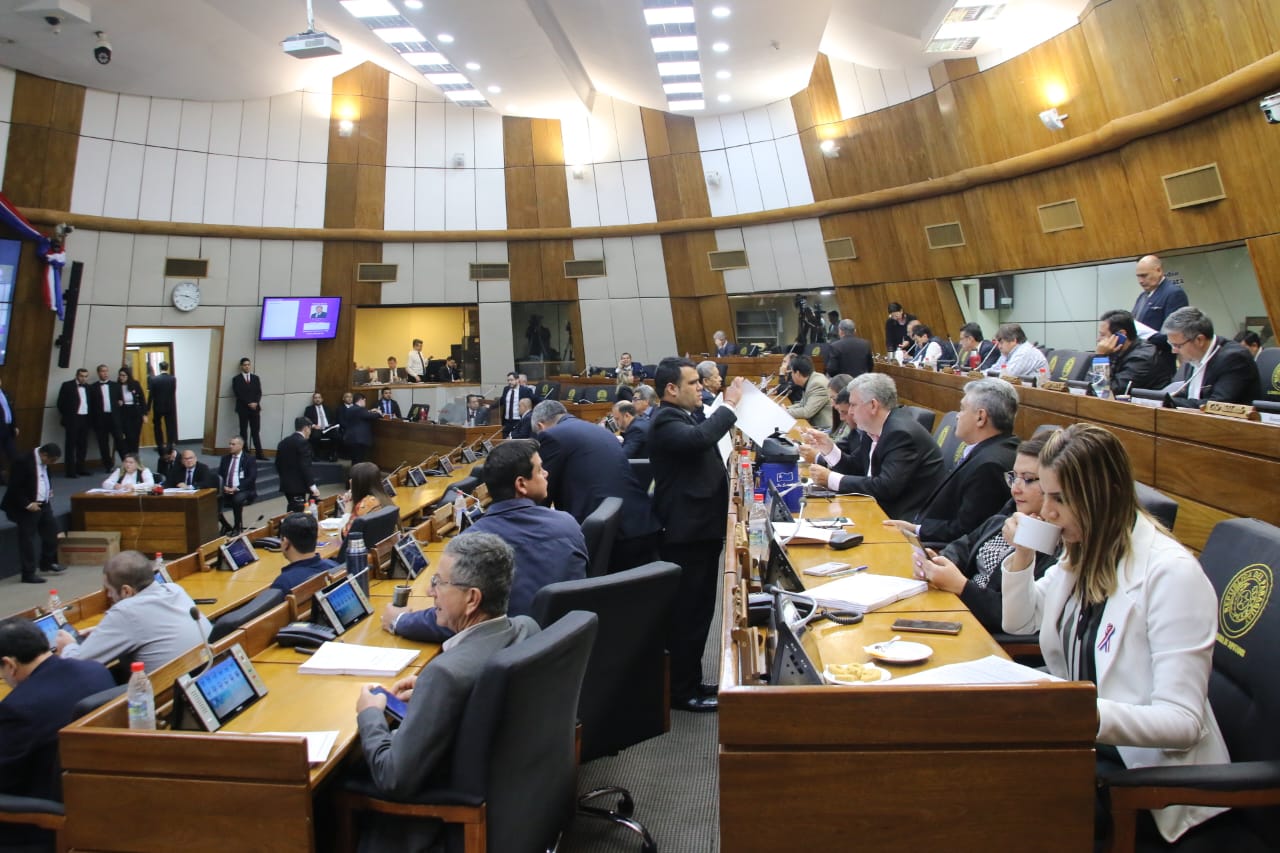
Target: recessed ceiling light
724,97
668,15
681,106
676,69
415,5
444,38
464,95
674,44
495,90
473,66
720,47
694,87
423,58
370,8
447,79
723,74
400,35
721,11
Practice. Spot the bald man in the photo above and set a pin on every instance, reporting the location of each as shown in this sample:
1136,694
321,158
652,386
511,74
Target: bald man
1160,297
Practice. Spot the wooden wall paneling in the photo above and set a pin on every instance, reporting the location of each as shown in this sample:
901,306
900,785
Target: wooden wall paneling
876,238
553,196
687,315
815,164
666,188
911,142
656,141
1191,41
522,197
691,184
682,133
866,305
1218,477
824,105
921,261
525,260
517,141
371,203
340,189
555,285
815,107
1123,60
1264,252
679,265
548,143
706,281
579,347
715,314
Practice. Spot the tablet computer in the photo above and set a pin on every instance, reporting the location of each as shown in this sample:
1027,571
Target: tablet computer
416,476
52,623
388,487
238,553
228,686
486,446
341,605
445,465
410,554
469,455
162,575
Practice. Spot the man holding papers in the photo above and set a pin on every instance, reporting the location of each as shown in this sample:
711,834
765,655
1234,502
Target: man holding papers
471,588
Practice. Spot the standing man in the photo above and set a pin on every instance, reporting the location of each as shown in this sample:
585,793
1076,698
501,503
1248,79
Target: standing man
357,429
723,346
509,403
815,403
833,324
293,463
8,431
163,391
239,475
247,388
1160,297
73,406
27,504
848,353
325,433
416,364
131,408
104,418
691,498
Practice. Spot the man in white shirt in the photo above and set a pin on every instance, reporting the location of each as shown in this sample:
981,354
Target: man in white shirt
73,406
416,363
28,503
1018,357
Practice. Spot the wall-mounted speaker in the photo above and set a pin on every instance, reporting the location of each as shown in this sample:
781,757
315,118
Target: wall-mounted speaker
70,299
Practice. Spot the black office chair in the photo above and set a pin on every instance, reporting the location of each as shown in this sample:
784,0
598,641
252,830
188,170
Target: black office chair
925,417
375,526
1269,374
549,390
513,772
234,619
643,472
624,694
949,444
600,528
1163,507
1062,364
1245,696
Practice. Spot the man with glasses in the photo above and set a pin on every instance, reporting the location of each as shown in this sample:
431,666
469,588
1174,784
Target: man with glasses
548,543
1213,367
472,585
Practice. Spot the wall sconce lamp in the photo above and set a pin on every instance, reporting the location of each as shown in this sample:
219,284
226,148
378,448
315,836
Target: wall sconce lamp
829,148
578,171
346,127
713,179
1053,120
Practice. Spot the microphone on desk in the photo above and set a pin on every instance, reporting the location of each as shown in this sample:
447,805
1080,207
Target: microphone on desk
995,347
195,617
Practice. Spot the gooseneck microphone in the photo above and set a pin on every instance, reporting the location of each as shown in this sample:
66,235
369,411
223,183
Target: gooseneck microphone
995,348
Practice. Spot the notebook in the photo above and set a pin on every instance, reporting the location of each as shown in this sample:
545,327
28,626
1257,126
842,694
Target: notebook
351,659
865,592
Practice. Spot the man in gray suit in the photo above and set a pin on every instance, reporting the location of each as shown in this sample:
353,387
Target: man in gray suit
471,587
815,405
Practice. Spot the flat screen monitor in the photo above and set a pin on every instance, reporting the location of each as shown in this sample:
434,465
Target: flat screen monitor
409,551
343,604
388,487
417,477
10,252
796,657
419,412
238,553
778,570
778,509
222,691
299,318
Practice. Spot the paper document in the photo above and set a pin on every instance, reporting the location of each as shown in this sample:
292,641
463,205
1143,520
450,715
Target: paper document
988,670
725,444
319,744
758,416
865,592
802,532
351,659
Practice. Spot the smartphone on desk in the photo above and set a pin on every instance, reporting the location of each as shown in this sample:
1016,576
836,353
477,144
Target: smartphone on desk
926,626
396,709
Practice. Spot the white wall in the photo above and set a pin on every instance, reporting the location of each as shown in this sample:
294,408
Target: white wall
190,367
7,78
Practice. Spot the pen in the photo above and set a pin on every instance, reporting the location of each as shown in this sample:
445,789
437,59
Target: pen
852,570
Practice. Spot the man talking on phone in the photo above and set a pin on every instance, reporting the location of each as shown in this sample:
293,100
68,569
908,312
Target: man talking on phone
1134,362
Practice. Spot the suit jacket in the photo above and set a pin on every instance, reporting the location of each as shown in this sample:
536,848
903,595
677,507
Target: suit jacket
6,425
523,427
419,756
30,718
851,355
691,484
95,400
973,490
246,392
1230,376
906,466
69,401
163,391
248,473
1163,301
293,463
135,387
481,416
585,465
202,478
1153,675
635,439
312,415
395,408
729,348
23,484
357,426
1141,365
524,391
815,403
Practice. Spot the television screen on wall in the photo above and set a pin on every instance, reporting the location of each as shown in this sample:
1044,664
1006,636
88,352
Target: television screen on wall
10,251
299,318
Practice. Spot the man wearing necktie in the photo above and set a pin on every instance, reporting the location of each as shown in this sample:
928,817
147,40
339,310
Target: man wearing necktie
324,440
103,416
416,364
73,406
388,407
8,431
194,474
28,504
238,472
247,388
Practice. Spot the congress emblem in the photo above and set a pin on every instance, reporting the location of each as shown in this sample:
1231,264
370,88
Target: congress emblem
1275,380
1244,600
1071,363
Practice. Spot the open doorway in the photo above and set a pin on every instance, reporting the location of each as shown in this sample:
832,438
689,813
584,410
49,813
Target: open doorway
143,361
194,355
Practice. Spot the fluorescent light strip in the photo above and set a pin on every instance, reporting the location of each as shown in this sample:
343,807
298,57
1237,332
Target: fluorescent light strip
448,79
682,88
682,106
421,58
400,35
674,69
456,95
668,15
370,8
674,44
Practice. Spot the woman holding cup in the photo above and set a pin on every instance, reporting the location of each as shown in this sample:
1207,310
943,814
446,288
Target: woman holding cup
1127,607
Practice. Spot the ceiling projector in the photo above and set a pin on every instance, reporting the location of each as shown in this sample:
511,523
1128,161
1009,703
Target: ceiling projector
311,44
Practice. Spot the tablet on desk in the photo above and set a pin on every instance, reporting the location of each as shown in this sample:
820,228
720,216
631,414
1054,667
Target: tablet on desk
341,605
238,553
52,623
778,570
388,487
445,465
409,553
416,476
227,687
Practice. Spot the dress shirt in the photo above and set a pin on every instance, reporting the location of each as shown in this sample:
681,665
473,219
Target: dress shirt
932,352
1197,375
126,396
43,491
513,401
416,365
833,458
321,420
83,392
386,407
104,388
233,472
1025,360
189,477
153,626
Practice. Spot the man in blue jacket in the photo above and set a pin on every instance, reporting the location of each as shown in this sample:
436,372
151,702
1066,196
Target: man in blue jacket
548,543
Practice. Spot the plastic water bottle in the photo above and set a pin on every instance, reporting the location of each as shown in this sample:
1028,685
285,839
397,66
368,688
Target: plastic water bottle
746,481
55,601
157,565
459,510
755,530
312,510
1042,376
358,559
142,700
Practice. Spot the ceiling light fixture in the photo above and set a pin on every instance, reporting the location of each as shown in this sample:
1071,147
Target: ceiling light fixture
674,44
829,148
721,11
723,74
724,97
415,5
400,35
422,58
682,106
447,78
346,127
694,87
662,15
1053,120
679,69
495,90
473,66
444,38
720,47
370,8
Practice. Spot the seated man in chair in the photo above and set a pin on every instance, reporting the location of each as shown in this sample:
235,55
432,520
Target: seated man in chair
471,587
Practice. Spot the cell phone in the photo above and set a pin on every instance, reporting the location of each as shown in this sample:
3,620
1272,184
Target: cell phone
915,544
395,708
926,626
1120,339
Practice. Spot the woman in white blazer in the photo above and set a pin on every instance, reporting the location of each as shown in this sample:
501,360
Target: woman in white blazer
1126,607
129,474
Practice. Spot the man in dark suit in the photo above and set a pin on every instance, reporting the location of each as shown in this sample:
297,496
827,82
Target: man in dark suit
896,462
388,407
586,465
45,690
103,416
975,489
168,465
293,463
8,431
848,353
474,579
163,392
1135,363
632,429
73,406
723,345
1213,367
524,426
238,472
1160,297
193,474
478,412
691,497
28,504
327,432
509,403
247,388
357,428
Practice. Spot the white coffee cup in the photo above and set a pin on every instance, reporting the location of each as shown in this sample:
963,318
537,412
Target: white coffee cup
1036,534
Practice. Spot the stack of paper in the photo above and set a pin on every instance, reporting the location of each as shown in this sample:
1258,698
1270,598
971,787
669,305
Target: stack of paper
988,670
350,659
865,592
803,532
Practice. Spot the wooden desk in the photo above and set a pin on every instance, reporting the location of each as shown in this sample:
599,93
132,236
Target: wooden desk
173,524
397,441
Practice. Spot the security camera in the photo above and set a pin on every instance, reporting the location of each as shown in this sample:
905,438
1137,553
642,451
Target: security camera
102,51
54,22
1271,107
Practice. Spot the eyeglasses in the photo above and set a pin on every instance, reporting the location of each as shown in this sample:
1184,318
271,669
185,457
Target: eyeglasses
436,581
1012,478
